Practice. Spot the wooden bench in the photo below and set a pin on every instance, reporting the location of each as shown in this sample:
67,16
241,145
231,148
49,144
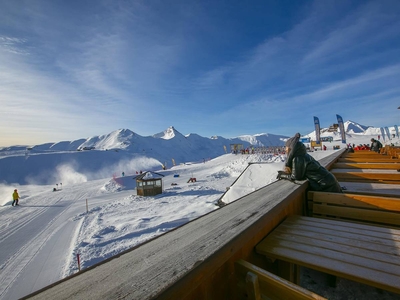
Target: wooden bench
371,189
258,283
391,151
374,209
365,175
370,166
380,159
362,153
358,252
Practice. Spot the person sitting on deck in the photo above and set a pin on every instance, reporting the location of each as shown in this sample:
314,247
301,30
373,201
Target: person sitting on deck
375,145
300,165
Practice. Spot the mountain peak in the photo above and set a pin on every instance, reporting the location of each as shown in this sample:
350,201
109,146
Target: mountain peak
354,127
168,134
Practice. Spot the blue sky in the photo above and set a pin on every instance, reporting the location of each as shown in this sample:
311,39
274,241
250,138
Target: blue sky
75,69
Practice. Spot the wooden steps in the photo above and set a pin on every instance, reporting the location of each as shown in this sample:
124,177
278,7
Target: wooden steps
367,167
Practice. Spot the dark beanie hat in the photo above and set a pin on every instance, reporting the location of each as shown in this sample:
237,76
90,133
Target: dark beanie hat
292,141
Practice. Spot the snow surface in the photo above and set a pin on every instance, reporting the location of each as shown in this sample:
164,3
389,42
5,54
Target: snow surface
95,211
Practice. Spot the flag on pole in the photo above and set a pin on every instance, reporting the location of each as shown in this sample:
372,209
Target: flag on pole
388,133
317,131
383,133
341,126
397,130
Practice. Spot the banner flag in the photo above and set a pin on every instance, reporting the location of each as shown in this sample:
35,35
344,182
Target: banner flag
388,133
341,126
383,133
397,130
317,131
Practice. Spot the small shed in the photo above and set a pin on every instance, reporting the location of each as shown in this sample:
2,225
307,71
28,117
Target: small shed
149,184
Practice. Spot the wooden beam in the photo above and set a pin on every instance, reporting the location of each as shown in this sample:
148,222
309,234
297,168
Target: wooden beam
383,159
367,177
389,166
362,154
372,189
353,213
270,285
365,201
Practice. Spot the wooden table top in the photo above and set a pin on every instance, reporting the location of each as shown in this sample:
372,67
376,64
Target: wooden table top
363,253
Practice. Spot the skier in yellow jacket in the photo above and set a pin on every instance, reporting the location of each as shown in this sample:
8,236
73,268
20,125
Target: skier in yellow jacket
15,197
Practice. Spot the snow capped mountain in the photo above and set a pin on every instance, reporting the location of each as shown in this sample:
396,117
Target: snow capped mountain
353,127
101,156
118,139
263,139
168,134
125,139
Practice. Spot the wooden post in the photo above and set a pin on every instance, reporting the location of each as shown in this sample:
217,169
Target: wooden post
87,207
79,262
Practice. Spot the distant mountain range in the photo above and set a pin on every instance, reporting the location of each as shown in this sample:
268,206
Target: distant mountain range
101,156
125,139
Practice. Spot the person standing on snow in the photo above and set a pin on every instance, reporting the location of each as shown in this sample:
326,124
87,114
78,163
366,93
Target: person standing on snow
300,165
15,197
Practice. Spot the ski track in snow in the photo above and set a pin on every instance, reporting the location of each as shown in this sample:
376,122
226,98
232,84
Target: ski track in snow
38,215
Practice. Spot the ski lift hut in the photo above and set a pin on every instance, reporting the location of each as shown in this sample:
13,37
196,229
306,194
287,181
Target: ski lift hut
149,184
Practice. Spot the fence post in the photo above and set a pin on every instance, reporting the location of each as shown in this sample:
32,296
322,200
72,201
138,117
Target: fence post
87,206
79,262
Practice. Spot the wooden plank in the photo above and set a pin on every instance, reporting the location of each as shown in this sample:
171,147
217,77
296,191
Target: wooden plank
363,201
368,171
357,252
388,166
367,177
361,232
382,217
273,286
383,159
369,188
359,255
252,286
362,154
330,264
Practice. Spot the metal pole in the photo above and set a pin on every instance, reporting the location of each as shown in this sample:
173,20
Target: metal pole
79,262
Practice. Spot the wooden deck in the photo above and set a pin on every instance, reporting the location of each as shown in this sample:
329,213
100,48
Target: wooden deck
372,172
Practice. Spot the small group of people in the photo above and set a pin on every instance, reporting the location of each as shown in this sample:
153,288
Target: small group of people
361,147
15,198
375,146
